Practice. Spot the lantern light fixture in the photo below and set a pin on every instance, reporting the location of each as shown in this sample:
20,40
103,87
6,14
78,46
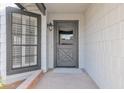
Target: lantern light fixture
50,26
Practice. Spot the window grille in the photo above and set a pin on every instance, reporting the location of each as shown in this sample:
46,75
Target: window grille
24,50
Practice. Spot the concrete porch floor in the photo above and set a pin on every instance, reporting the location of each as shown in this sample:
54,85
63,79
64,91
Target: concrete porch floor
63,78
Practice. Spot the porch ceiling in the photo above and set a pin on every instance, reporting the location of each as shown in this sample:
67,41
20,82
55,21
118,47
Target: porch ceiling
30,6
33,7
66,7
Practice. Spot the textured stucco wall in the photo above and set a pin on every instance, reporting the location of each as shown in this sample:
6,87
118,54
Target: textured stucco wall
3,41
104,44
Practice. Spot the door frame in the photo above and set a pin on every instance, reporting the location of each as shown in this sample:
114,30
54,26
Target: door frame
76,22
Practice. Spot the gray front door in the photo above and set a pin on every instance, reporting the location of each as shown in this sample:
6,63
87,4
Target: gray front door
66,43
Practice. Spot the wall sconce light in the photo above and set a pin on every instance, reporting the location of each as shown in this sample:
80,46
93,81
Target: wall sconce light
50,26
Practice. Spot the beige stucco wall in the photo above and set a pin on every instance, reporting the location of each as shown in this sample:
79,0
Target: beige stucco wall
104,45
66,16
2,41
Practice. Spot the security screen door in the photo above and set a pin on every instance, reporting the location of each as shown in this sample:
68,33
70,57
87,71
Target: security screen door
23,41
66,43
